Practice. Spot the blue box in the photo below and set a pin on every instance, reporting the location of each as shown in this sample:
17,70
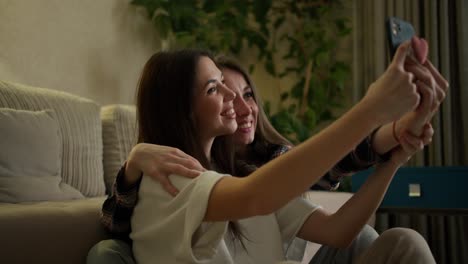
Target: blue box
439,188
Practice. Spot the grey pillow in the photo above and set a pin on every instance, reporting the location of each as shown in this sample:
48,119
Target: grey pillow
30,160
80,127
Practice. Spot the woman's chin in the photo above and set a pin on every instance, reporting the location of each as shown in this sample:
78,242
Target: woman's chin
242,139
231,129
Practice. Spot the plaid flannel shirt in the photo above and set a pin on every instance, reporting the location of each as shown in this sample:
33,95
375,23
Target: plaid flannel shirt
118,208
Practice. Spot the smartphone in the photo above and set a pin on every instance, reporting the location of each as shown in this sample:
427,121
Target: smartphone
398,31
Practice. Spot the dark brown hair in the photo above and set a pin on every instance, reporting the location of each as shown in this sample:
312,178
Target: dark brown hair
165,103
258,152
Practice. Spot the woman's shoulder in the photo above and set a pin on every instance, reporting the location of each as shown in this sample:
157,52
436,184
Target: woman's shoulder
206,180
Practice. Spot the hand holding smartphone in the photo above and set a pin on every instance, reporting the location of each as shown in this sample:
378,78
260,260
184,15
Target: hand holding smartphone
399,31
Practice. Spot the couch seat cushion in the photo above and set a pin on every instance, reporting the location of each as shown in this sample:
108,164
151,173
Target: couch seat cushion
50,232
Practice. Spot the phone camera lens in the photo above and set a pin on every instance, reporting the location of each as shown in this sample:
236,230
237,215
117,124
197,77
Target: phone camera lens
395,28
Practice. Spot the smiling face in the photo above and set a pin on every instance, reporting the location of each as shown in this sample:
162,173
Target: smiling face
213,102
245,106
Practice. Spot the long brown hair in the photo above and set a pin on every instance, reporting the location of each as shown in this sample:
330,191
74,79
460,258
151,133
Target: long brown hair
265,134
164,111
164,107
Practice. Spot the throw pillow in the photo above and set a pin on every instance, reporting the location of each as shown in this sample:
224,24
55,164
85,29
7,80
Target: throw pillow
80,125
30,160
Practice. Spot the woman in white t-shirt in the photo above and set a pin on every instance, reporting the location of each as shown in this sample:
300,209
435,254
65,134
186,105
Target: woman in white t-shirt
216,218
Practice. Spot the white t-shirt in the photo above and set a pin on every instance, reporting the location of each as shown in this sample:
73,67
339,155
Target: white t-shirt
168,229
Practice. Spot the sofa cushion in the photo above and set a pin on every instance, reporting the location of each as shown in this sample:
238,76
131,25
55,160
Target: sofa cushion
118,136
50,232
80,127
30,160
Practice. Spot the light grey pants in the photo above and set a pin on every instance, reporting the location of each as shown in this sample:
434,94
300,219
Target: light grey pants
110,251
396,245
361,243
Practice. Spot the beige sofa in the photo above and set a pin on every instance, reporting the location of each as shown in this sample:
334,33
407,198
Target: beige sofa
93,143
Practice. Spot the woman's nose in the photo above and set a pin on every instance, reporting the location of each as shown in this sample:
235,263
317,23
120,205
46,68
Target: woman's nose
241,107
229,95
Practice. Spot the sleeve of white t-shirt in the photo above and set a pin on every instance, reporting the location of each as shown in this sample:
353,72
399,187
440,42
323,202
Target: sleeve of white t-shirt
166,227
292,216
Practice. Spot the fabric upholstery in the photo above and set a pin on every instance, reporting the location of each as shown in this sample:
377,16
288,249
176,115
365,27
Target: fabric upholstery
30,160
118,136
80,126
50,232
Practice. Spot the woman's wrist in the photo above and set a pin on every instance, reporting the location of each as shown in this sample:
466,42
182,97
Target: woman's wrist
383,140
363,111
132,174
366,108
390,165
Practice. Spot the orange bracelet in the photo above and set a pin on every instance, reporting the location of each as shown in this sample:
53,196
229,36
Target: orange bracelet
394,132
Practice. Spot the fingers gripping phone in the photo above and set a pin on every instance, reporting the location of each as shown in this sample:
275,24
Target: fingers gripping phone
398,31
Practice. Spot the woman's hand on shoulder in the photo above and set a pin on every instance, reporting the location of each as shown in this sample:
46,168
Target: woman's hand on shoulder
158,162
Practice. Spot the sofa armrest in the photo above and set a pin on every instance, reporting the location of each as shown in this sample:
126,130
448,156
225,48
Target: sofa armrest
119,135
330,201
50,232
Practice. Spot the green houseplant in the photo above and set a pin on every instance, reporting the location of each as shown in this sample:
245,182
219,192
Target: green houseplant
292,39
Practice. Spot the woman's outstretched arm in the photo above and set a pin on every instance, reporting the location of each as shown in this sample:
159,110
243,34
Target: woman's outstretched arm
279,181
429,81
339,229
432,88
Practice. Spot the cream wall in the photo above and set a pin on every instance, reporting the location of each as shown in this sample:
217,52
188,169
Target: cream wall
90,48
95,49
